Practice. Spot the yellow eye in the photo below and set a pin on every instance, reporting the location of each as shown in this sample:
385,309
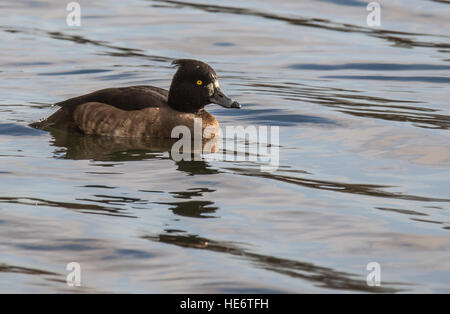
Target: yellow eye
199,82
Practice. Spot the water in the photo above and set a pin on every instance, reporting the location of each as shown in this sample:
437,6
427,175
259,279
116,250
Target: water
364,150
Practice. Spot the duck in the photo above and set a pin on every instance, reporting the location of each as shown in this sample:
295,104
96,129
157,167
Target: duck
146,111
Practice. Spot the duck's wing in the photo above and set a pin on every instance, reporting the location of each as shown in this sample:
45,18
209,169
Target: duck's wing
125,98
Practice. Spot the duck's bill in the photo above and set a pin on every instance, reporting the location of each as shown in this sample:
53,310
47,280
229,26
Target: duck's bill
221,99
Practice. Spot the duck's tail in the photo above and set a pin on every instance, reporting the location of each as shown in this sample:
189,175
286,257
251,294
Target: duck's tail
59,120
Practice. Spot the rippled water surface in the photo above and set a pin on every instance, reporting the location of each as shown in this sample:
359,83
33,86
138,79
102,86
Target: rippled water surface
364,153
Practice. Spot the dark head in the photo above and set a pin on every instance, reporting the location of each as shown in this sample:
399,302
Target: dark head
194,86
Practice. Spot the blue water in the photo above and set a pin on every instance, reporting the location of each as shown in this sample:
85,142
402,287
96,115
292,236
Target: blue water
364,155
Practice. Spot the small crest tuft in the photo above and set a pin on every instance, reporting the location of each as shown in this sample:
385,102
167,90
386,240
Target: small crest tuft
182,62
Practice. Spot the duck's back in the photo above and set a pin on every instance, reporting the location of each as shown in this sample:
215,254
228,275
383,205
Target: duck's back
125,98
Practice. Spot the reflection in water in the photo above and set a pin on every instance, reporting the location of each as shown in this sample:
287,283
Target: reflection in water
397,37
188,207
122,51
341,93
357,105
127,149
362,189
46,275
370,67
84,208
192,192
403,211
78,146
13,129
320,276
426,79
116,51
195,167
355,3
194,209
428,121
5,268
274,117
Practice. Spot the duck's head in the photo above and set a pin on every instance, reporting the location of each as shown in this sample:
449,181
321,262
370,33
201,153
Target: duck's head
194,86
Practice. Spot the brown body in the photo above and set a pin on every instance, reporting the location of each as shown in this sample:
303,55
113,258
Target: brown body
146,111
155,120
102,119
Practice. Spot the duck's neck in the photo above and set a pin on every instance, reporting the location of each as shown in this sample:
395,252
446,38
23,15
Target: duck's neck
181,101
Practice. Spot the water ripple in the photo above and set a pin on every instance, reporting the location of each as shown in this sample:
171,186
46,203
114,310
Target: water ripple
320,276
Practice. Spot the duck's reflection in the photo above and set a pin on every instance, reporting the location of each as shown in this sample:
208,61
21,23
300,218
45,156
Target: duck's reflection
193,208
189,207
195,167
78,146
